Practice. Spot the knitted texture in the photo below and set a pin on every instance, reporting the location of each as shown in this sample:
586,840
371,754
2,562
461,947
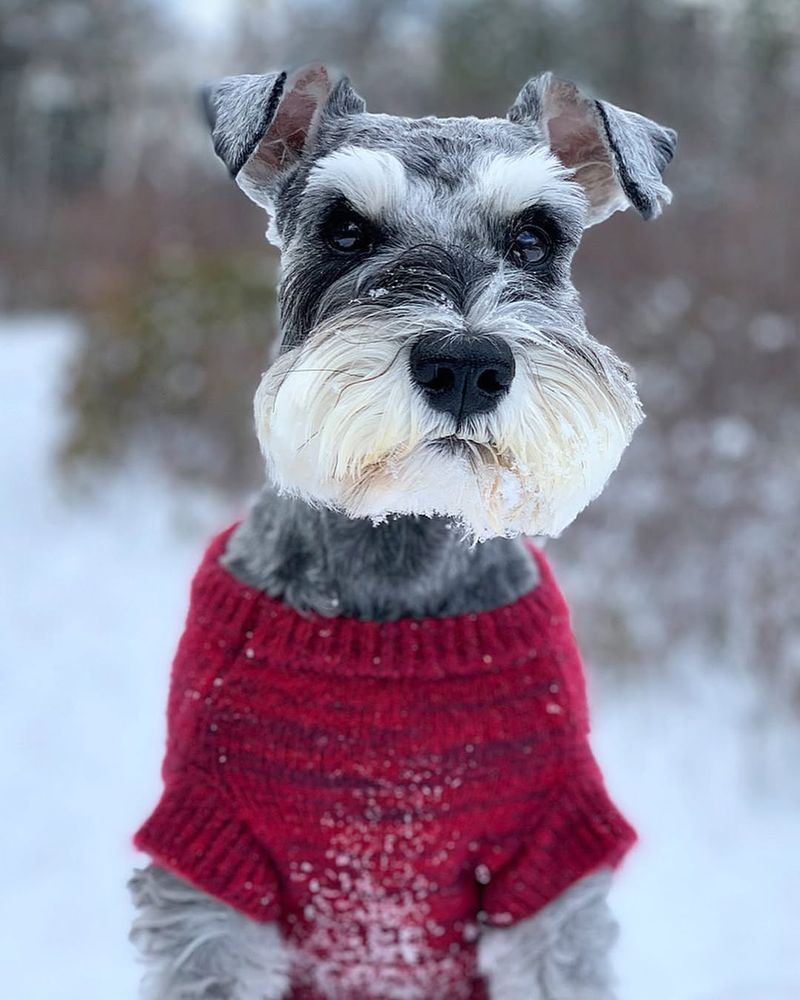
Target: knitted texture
380,789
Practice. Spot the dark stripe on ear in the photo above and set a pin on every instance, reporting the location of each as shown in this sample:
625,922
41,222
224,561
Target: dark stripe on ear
260,130
662,140
638,198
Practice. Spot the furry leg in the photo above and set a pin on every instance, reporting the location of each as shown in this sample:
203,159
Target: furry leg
197,948
561,953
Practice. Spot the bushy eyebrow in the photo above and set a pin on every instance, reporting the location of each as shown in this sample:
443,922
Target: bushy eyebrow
372,180
509,185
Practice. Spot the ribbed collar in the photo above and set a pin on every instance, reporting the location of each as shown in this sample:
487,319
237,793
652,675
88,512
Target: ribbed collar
242,620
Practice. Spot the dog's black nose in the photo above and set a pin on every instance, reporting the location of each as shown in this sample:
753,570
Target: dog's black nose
462,375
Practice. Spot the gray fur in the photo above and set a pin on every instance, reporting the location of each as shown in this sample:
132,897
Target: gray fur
423,267
319,560
197,948
561,953
439,151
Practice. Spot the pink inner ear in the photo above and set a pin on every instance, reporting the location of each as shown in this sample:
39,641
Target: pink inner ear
286,136
574,140
574,137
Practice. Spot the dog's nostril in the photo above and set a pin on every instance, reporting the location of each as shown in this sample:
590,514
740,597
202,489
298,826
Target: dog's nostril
490,381
436,378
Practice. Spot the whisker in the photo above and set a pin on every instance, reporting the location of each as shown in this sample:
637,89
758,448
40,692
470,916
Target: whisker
313,371
371,378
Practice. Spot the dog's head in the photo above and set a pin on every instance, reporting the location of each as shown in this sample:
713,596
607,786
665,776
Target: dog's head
434,357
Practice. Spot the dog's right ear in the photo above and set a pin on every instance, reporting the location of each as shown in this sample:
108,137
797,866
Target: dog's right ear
262,124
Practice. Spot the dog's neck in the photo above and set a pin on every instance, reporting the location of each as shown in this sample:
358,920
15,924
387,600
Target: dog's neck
320,560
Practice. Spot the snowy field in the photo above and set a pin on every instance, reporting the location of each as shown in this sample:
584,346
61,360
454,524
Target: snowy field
93,594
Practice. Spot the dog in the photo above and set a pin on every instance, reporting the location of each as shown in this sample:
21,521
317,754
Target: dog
377,781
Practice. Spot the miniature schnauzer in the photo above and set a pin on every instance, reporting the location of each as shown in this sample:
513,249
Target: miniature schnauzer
435,396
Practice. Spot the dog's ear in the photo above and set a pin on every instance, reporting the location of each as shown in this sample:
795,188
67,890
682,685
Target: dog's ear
617,156
262,124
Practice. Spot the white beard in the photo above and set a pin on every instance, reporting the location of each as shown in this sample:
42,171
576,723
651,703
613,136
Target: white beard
341,425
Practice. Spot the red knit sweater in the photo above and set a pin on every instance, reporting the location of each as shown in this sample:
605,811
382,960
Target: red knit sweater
380,789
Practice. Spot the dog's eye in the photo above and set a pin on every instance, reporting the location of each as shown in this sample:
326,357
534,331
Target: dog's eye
347,232
530,246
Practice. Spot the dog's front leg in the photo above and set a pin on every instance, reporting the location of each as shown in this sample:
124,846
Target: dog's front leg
197,948
562,953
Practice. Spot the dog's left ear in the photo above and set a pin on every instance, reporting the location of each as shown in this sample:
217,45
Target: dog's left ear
617,156
262,125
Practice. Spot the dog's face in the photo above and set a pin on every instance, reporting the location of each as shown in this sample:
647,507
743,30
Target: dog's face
434,357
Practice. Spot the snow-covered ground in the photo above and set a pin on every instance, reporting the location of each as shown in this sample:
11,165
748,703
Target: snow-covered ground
93,593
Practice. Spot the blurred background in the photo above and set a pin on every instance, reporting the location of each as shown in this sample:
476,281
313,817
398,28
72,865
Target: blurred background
136,308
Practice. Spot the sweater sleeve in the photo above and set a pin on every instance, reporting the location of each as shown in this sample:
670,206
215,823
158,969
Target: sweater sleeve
198,830
577,830
195,833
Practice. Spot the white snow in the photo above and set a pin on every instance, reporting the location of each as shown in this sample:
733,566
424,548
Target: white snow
93,593
708,902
